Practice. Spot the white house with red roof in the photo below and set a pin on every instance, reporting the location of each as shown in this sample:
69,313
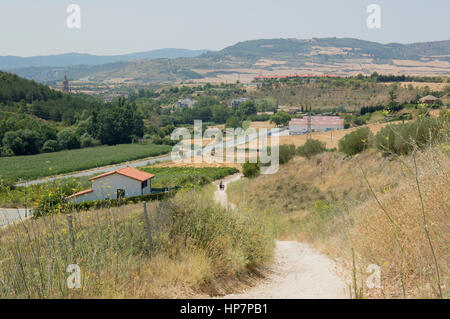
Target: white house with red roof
121,183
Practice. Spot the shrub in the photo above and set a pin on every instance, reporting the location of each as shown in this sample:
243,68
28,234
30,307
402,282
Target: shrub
22,142
355,142
311,148
86,140
251,169
68,140
400,139
50,146
286,153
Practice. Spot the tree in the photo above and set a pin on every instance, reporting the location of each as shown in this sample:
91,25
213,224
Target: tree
118,125
246,109
68,140
22,142
50,146
281,118
234,122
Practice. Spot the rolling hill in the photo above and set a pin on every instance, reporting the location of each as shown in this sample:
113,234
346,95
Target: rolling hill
245,60
69,59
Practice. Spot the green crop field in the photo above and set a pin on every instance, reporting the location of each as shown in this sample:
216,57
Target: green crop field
34,166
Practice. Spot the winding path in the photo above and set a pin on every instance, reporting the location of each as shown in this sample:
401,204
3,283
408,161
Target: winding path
298,271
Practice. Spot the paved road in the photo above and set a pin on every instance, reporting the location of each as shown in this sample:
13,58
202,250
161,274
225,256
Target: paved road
11,215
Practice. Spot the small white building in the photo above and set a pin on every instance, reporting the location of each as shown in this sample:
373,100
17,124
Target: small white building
121,183
236,102
318,124
187,102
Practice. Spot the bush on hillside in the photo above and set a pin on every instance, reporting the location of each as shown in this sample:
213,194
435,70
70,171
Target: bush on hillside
50,146
68,140
355,142
251,169
286,153
310,148
86,140
400,139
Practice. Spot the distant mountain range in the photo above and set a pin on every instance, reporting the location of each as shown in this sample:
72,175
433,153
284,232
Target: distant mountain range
69,59
245,60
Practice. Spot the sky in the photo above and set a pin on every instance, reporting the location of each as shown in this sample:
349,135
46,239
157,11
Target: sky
109,27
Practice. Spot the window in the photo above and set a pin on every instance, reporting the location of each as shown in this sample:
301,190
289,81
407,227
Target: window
144,184
120,193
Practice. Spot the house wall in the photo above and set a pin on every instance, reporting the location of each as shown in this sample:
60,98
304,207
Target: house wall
84,198
106,188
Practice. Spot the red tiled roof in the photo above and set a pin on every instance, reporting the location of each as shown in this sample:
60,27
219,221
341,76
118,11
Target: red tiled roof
128,172
87,191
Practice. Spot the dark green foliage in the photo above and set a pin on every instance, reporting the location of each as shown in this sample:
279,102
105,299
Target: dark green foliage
355,142
234,122
311,147
50,146
68,140
400,139
86,140
118,125
251,169
280,118
21,142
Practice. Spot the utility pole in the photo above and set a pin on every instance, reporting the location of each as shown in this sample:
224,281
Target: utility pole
308,136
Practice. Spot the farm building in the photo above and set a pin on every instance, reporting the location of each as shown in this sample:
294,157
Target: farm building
318,124
235,103
124,182
429,99
187,102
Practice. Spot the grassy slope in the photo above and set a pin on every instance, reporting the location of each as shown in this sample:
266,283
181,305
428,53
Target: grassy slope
327,201
42,165
198,248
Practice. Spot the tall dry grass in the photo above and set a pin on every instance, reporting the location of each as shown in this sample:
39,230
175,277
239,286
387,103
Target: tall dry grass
368,206
197,249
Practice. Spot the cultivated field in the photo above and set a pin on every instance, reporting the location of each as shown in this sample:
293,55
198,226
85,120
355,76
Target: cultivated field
49,164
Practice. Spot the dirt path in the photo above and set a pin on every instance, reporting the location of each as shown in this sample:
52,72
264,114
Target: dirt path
298,272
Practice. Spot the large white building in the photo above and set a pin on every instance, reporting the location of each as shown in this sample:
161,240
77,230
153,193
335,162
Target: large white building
318,124
124,182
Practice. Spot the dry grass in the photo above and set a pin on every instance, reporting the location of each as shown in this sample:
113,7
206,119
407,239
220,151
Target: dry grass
198,248
327,201
331,139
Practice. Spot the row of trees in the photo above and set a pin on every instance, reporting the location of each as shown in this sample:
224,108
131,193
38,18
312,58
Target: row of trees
23,135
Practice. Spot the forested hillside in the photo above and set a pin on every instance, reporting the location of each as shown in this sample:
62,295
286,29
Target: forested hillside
35,119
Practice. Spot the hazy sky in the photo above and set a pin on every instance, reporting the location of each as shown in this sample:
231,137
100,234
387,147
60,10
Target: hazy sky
38,27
